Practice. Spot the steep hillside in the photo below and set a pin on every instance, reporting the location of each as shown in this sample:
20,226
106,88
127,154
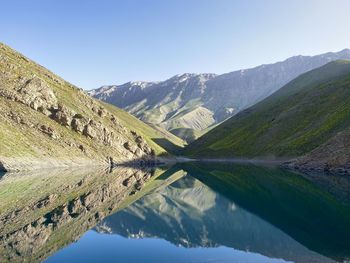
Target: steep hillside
302,115
45,121
199,101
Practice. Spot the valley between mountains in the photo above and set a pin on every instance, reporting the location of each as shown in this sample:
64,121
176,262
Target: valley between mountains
295,111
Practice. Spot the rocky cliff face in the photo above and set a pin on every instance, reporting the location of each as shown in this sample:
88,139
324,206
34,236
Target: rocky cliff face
45,121
185,100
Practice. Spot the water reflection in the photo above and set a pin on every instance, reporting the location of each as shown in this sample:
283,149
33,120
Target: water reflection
318,217
189,213
41,212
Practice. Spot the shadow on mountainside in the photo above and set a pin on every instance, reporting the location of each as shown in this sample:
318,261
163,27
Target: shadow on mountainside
168,145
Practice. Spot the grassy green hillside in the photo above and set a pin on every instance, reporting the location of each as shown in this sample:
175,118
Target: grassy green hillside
293,121
44,119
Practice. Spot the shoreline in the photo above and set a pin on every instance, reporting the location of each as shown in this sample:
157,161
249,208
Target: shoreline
10,165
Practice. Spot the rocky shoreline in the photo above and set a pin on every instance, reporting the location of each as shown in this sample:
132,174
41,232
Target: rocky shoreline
316,167
332,157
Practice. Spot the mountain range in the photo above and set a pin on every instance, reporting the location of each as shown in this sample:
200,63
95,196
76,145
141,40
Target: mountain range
188,105
47,122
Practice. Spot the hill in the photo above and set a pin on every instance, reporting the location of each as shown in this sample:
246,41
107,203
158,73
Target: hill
46,121
295,120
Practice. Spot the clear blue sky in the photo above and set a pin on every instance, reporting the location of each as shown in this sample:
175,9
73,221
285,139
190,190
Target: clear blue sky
92,43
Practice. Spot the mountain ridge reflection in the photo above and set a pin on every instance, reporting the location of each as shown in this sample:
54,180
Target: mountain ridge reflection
261,209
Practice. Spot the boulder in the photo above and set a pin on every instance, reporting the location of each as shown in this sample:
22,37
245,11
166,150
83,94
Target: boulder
139,152
139,139
76,206
49,131
115,120
63,115
100,111
129,181
130,147
89,131
108,137
78,124
94,130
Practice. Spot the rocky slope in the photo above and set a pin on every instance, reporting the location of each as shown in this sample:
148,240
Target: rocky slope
294,121
331,157
45,122
198,101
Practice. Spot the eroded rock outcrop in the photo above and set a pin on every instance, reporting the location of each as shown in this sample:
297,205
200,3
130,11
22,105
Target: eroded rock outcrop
34,93
38,95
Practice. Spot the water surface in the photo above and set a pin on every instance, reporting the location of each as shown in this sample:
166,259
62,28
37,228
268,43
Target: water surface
188,213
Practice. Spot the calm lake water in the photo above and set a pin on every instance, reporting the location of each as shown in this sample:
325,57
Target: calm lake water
188,213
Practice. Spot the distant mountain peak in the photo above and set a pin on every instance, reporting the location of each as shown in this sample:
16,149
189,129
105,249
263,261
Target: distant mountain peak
186,76
141,84
192,100
345,51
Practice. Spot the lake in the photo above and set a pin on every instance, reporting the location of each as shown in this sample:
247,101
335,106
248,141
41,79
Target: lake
208,212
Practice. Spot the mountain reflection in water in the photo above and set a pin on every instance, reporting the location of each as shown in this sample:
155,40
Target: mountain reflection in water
188,213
